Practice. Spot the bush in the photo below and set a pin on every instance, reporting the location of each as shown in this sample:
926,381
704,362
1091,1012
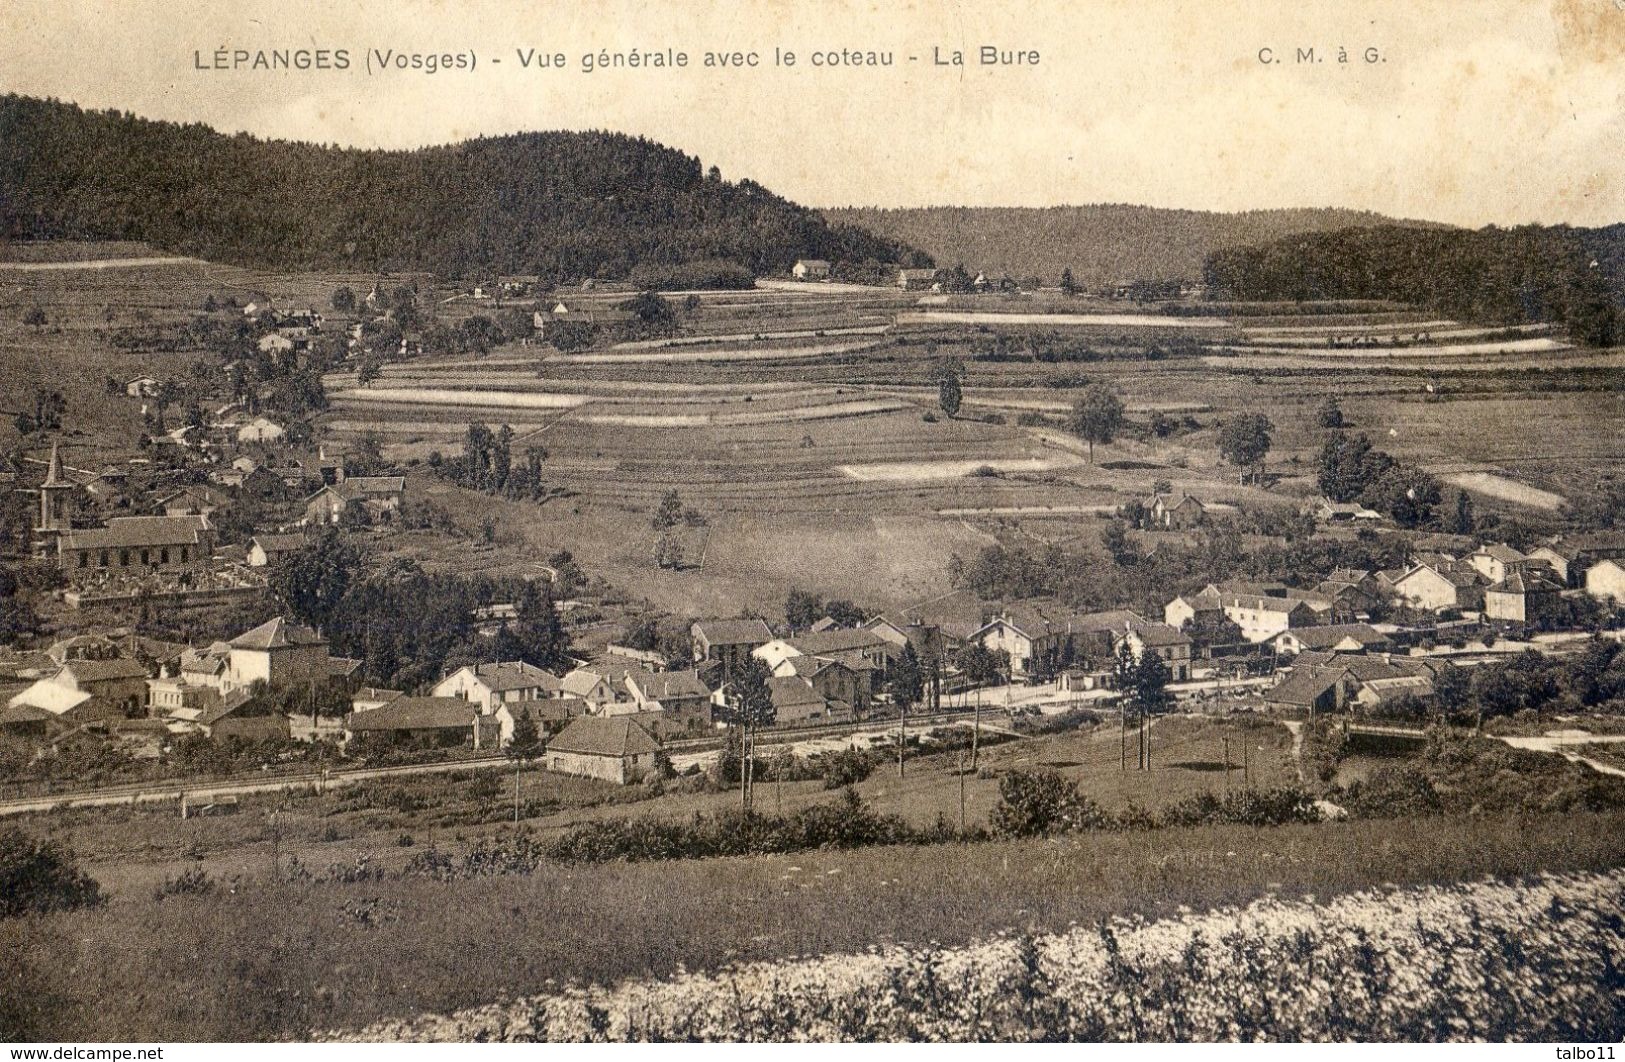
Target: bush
192,882
845,824
1036,803
1393,792
38,876
1244,807
845,767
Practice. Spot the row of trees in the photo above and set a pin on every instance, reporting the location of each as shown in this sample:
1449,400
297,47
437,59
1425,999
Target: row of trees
487,464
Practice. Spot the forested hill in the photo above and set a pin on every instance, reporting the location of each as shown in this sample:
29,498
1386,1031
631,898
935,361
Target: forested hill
564,205
1571,277
1103,244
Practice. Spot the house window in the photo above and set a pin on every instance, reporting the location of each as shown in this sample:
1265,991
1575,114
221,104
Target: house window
146,557
163,556
123,558
103,562
84,559
186,554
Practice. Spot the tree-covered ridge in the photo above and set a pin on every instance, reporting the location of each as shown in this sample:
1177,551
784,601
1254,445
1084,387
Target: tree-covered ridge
1571,277
1103,244
559,204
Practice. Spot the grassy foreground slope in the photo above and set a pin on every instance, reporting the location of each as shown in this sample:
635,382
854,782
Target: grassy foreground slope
279,961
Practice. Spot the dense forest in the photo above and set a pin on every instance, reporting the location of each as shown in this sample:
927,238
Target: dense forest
1104,245
561,205
1571,277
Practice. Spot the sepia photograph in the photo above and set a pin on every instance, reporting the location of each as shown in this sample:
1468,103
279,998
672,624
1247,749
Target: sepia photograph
781,522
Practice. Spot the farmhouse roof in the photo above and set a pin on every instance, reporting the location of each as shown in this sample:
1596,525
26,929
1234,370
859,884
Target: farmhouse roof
734,631
547,709
507,675
792,690
52,697
12,714
663,685
362,486
1335,634
1523,583
838,641
615,736
277,634
416,713
1302,688
581,681
1501,552
1155,634
104,670
124,532
279,543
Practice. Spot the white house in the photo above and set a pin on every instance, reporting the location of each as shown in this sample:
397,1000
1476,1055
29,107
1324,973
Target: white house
492,685
260,430
810,269
1605,581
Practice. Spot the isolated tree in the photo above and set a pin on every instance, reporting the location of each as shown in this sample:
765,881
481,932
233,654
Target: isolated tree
1347,465
1097,416
49,408
802,608
668,551
1114,537
34,317
1408,495
1069,286
980,665
343,298
748,706
1463,522
1329,414
1245,440
313,580
370,370
670,512
906,683
949,395
537,635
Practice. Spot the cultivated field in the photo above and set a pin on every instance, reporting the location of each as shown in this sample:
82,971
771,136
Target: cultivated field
800,420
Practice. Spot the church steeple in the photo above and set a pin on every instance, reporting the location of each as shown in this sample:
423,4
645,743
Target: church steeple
55,496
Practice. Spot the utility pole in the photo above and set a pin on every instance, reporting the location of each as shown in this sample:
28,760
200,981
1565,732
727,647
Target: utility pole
1227,764
1246,766
276,845
961,794
976,732
1122,734
902,735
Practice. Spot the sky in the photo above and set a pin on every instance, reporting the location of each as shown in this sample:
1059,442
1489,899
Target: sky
1474,112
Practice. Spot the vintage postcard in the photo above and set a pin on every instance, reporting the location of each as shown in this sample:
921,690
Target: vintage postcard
779,521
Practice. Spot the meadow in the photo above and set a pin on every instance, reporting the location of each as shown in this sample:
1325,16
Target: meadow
340,956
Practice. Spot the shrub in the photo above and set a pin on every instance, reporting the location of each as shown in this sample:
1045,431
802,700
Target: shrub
845,767
1393,792
1243,807
39,876
1036,803
192,882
